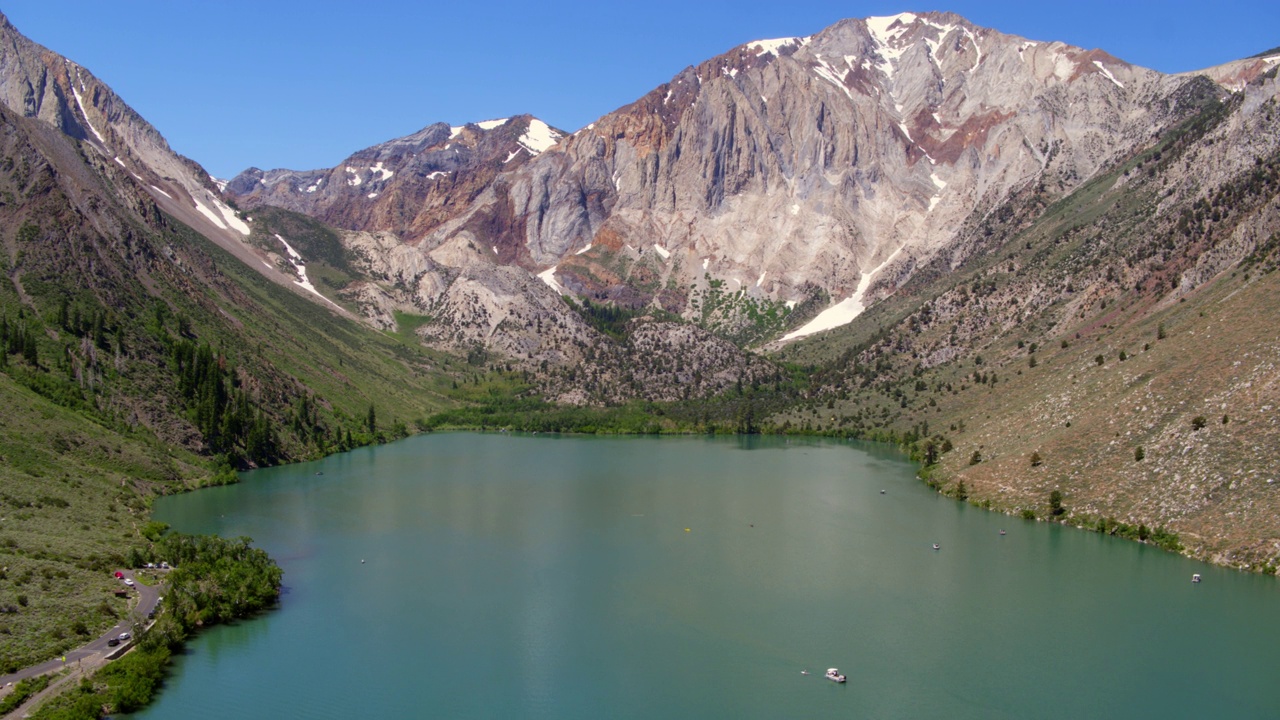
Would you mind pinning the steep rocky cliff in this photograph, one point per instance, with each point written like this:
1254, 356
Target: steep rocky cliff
36, 82
809, 174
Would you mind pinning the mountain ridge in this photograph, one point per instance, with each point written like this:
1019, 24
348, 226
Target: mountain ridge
607, 194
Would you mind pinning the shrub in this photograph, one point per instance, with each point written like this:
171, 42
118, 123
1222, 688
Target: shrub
1139, 454
24, 690
1036, 460
975, 458
1198, 422
1055, 503
1028, 514
154, 529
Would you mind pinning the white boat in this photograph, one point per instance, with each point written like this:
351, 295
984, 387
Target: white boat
834, 675
1195, 578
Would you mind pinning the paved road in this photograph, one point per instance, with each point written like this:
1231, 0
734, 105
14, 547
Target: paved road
148, 597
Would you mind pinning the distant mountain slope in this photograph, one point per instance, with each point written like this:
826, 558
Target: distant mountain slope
38, 83
762, 187
790, 166
1117, 345
407, 186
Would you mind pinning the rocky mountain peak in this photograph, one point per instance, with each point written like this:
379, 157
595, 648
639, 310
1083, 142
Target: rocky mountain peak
828, 166
408, 185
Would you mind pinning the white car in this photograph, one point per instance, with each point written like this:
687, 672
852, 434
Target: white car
124, 636
128, 581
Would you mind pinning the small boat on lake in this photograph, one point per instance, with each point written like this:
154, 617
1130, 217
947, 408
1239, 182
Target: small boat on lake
833, 674
1195, 578
1001, 532
936, 546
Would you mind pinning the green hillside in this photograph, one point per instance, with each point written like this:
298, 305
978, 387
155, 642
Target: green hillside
136, 359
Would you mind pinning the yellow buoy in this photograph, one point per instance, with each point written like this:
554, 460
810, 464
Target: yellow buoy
686, 529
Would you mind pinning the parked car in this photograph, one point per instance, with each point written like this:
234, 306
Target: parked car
119, 575
128, 581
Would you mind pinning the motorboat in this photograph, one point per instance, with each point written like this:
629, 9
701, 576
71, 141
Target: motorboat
1195, 578
833, 674
936, 546
1001, 532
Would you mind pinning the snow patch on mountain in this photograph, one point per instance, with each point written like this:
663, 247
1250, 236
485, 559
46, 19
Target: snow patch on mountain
827, 72
886, 32
1108, 74
548, 276
539, 137
225, 218
85, 115
845, 311
300, 267
491, 124
772, 47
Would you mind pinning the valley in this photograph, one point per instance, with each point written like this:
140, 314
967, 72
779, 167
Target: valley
1045, 274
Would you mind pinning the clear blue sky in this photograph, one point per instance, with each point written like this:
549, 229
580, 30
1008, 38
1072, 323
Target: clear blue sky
282, 83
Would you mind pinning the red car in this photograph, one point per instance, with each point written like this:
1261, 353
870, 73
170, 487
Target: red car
119, 574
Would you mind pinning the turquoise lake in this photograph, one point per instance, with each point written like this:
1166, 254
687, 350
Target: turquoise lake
511, 576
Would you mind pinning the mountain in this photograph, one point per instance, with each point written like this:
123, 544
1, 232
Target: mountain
1045, 272
1114, 345
38, 83
407, 186
781, 179
794, 167
139, 357
975, 244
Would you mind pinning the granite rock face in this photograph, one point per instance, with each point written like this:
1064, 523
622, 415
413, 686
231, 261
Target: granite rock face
788, 164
